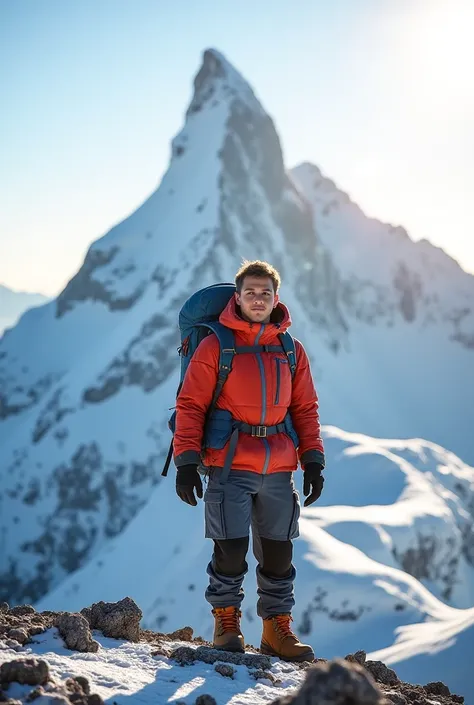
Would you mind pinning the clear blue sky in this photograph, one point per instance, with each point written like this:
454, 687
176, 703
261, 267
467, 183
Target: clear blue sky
378, 93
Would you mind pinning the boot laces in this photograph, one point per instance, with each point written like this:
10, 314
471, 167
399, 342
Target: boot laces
282, 624
229, 620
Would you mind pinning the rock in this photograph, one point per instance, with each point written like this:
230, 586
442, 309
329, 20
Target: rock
35, 693
382, 673
259, 674
186, 655
412, 695
396, 698
117, 620
358, 657
84, 683
437, 688
337, 681
4, 607
53, 699
94, 699
205, 700
75, 631
184, 634
20, 635
22, 610
32, 631
78, 690
20, 623
30, 671
13, 644
73, 691
225, 670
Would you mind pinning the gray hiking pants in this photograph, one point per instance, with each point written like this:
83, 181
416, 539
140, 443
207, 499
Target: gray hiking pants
270, 505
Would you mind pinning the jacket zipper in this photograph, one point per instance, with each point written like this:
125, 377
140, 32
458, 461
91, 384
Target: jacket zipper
264, 401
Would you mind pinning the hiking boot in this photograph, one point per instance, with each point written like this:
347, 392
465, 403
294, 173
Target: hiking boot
227, 634
279, 640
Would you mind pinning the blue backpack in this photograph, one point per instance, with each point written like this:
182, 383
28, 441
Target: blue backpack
198, 318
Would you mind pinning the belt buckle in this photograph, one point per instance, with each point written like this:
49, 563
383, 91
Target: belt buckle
261, 431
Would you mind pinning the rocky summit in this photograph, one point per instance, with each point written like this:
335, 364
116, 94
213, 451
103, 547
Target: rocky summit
24, 662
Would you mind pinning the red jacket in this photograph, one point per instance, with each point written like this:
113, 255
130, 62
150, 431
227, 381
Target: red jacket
258, 391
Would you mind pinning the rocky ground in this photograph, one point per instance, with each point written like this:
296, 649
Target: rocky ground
350, 681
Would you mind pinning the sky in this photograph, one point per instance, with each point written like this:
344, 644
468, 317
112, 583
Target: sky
377, 93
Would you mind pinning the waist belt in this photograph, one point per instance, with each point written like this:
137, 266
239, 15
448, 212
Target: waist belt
260, 431
255, 431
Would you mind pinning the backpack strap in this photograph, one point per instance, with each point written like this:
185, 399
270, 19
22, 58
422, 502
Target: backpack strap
168, 460
288, 345
227, 352
226, 355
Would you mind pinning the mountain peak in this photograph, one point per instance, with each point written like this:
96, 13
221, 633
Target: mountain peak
217, 78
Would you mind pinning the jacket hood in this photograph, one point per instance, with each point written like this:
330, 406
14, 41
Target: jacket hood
280, 321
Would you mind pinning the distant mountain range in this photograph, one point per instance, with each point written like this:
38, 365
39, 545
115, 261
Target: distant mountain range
14, 303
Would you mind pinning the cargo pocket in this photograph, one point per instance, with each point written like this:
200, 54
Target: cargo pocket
214, 514
294, 531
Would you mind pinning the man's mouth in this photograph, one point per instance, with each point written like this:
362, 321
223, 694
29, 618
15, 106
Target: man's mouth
258, 308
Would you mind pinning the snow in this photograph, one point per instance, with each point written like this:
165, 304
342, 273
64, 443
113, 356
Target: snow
122, 669
442, 646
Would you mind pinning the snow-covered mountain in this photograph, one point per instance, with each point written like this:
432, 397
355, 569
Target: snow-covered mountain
87, 380
14, 303
407, 359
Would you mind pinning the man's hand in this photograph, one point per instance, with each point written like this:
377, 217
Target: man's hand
313, 481
188, 480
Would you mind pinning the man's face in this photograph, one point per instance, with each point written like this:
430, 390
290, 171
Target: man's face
257, 299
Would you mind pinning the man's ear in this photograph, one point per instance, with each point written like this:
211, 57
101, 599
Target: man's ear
237, 297
276, 301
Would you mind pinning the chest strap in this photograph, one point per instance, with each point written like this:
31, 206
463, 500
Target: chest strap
258, 348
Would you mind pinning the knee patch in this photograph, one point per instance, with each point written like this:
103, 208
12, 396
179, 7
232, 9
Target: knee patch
277, 557
229, 556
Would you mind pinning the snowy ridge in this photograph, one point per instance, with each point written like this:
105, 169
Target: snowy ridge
382, 269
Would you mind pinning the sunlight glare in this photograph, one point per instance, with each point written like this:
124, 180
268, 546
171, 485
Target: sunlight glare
435, 48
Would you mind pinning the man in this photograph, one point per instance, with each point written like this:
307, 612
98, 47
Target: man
259, 490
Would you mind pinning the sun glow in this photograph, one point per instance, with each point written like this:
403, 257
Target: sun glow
436, 46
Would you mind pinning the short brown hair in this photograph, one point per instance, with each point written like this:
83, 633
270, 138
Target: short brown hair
257, 268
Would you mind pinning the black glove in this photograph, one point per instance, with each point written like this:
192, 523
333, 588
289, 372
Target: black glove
188, 480
313, 481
